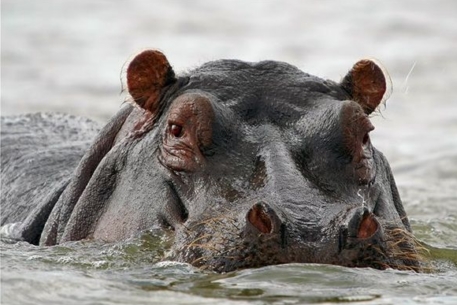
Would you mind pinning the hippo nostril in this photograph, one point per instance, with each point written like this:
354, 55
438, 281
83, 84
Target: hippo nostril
259, 218
263, 218
368, 226
363, 227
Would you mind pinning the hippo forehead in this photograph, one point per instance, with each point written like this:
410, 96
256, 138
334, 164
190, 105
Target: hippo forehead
267, 91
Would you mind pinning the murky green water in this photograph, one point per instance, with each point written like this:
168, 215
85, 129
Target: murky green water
67, 56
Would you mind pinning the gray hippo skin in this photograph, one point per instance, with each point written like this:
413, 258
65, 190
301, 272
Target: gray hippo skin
248, 164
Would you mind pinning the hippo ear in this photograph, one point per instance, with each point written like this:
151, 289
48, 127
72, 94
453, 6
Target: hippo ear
147, 74
368, 84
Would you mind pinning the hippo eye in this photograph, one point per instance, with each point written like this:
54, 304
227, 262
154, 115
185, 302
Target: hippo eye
176, 130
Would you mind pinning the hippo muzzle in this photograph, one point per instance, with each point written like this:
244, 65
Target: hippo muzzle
262, 238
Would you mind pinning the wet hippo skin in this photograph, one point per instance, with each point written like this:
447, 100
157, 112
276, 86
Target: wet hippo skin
247, 164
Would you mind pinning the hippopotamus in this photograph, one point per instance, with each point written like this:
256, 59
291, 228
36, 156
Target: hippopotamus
244, 164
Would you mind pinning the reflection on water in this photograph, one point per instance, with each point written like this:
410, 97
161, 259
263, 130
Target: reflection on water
67, 56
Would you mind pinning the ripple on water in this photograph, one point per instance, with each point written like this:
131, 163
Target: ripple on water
89, 272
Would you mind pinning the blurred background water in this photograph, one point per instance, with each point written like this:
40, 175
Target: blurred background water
68, 56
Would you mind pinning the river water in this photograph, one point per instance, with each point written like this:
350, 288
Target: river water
68, 57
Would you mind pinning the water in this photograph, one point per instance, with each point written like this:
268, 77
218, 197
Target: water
67, 56
125, 273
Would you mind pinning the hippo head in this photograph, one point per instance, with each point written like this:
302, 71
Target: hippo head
249, 164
